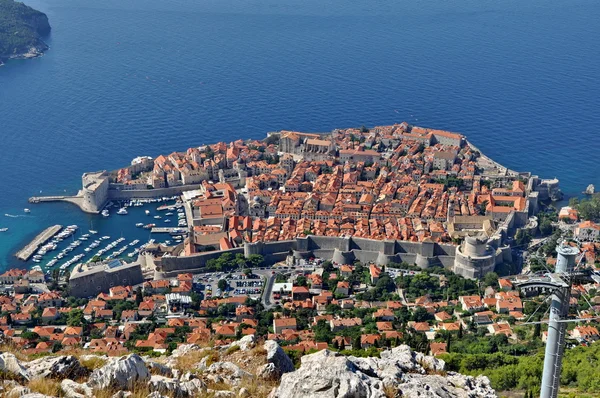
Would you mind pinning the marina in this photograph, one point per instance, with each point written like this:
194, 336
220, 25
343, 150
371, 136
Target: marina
26, 253
60, 249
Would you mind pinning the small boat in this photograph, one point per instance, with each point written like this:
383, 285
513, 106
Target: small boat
105, 213
147, 212
122, 211
149, 226
139, 225
3, 229
157, 217
27, 210
167, 220
93, 232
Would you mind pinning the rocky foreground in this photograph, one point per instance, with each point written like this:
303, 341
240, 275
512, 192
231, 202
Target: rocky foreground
242, 369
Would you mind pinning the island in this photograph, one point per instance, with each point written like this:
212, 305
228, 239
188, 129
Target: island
22, 30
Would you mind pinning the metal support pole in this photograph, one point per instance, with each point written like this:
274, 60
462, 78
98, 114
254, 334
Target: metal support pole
559, 308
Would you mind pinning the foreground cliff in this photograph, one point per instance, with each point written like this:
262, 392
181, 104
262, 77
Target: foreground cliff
242, 369
21, 31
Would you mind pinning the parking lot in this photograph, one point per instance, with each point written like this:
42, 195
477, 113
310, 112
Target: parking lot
238, 284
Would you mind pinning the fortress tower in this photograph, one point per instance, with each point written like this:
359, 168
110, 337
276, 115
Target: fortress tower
474, 258
94, 191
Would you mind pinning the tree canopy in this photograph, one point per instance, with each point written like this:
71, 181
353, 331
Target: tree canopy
21, 27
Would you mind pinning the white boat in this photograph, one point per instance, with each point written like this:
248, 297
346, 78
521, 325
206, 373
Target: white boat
167, 220
122, 211
3, 229
147, 212
105, 213
93, 232
139, 225
157, 217
27, 210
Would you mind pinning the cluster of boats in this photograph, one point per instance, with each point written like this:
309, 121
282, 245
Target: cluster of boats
134, 203
52, 245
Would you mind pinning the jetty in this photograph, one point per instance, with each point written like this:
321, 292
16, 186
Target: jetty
169, 230
47, 234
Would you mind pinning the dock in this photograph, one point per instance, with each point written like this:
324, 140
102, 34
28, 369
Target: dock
169, 230
47, 234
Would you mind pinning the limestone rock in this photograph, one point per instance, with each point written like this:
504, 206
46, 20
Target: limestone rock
268, 372
243, 393
221, 394
277, 357
156, 394
18, 391
164, 385
246, 343
156, 368
226, 372
73, 389
121, 372
193, 388
10, 364
328, 374
122, 394
61, 367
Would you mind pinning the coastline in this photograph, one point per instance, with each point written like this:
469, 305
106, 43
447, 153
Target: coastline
34, 52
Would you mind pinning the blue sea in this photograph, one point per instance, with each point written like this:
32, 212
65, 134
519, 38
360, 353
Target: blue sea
125, 78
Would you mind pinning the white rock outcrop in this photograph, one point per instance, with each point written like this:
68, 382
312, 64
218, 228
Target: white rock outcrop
60, 367
278, 362
327, 374
122, 373
72, 389
10, 364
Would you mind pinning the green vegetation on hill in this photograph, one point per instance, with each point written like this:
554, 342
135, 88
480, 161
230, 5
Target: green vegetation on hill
21, 28
580, 371
589, 209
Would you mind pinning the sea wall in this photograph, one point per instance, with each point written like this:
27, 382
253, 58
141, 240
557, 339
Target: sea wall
340, 250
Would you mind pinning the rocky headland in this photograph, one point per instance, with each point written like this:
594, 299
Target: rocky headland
245, 368
22, 30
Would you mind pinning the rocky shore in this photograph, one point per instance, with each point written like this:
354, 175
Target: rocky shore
244, 368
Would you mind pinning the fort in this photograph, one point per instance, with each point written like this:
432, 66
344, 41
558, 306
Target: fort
473, 260
90, 279
389, 194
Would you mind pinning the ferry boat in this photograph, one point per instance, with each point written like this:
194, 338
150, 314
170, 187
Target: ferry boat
105, 213
122, 211
139, 225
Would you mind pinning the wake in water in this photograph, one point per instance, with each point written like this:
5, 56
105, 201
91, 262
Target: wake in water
16, 215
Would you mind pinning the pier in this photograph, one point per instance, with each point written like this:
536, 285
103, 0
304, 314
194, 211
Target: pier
169, 230
76, 200
26, 252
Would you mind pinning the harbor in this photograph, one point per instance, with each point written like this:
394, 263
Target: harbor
47, 234
89, 238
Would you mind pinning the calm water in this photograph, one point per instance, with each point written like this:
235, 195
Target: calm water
128, 78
